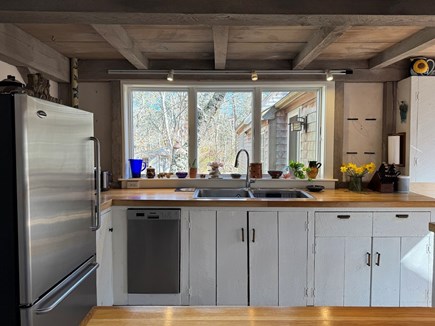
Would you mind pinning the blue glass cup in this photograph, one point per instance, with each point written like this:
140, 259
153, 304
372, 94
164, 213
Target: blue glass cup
137, 166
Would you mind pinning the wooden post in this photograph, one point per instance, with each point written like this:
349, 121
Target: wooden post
74, 82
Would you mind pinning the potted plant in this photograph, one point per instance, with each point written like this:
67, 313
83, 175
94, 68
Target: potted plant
193, 169
298, 169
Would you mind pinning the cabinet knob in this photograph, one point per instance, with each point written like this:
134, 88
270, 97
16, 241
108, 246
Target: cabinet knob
253, 235
243, 234
110, 229
343, 216
369, 258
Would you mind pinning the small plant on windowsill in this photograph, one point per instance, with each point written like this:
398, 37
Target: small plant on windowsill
298, 169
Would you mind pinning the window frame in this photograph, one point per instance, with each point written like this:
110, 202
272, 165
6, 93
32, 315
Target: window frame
326, 98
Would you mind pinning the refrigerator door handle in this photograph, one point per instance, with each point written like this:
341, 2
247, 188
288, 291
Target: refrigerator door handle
97, 210
54, 298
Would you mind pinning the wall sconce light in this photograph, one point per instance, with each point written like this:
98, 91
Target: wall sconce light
299, 125
170, 76
254, 76
329, 76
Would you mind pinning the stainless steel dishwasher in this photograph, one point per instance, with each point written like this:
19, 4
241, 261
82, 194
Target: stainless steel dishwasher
153, 250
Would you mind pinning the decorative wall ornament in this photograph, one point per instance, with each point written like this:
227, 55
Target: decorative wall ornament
403, 108
422, 66
38, 86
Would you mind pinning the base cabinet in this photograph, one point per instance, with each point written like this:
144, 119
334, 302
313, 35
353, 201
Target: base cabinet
252, 258
366, 270
104, 258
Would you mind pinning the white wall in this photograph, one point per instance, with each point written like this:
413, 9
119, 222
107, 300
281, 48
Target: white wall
363, 101
96, 98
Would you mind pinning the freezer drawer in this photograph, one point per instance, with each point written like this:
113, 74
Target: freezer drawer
153, 250
68, 303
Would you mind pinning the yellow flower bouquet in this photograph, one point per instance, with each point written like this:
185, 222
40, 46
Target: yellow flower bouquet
356, 173
353, 170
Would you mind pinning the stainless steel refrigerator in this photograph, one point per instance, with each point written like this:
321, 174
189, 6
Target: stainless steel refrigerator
50, 211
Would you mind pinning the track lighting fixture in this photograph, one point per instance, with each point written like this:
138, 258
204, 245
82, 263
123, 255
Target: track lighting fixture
170, 76
253, 73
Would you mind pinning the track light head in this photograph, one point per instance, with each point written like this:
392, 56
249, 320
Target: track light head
170, 76
254, 75
329, 76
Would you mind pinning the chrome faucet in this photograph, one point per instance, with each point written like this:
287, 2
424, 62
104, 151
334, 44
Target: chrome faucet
236, 164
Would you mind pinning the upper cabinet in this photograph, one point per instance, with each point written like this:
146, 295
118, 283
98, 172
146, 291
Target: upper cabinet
418, 93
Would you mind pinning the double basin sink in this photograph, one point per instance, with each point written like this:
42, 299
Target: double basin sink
239, 193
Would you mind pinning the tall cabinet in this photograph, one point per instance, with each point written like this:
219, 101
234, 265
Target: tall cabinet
418, 93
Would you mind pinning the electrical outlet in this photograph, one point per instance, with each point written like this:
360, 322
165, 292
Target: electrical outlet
132, 184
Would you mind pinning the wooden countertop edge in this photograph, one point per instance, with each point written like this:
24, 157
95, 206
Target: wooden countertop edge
332, 198
432, 227
262, 203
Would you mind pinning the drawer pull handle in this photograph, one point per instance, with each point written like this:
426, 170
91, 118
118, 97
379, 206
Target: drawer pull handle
253, 235
369, 258
343, 216
243, 235
402, 215
378, 258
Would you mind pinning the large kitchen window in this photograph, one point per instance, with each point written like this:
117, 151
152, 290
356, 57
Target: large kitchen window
175, 127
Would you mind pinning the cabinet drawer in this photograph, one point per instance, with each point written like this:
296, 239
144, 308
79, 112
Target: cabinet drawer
344, 224
401, 223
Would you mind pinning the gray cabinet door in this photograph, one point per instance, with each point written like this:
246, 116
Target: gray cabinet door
342, 276
263, 258
202, 262
386, 272
232, 258
293, 253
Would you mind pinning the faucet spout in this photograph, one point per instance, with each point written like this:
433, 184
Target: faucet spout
236, 164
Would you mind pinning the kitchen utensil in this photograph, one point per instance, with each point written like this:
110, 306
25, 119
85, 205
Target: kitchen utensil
315, 188
105, 180
314, 164
275, 174
137, 166
235, 175
11, 86
181, 175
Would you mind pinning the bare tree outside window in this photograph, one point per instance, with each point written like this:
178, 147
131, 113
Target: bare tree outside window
220, 114
160, 129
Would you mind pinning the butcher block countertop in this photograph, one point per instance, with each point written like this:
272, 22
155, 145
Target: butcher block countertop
259, 316
168, 197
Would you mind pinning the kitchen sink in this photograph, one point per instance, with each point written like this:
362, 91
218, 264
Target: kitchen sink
237, 193
280, 193
224, 193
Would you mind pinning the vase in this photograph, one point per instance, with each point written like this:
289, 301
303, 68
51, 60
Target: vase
355, 183
312, 174
193, 172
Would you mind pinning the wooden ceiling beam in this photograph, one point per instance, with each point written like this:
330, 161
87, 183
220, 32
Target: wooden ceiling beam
192, 19
318, 42
404, 49
21, 49
374, 7
220, 40
117, 36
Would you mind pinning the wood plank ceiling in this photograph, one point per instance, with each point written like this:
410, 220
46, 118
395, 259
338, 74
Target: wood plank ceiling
371, 38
